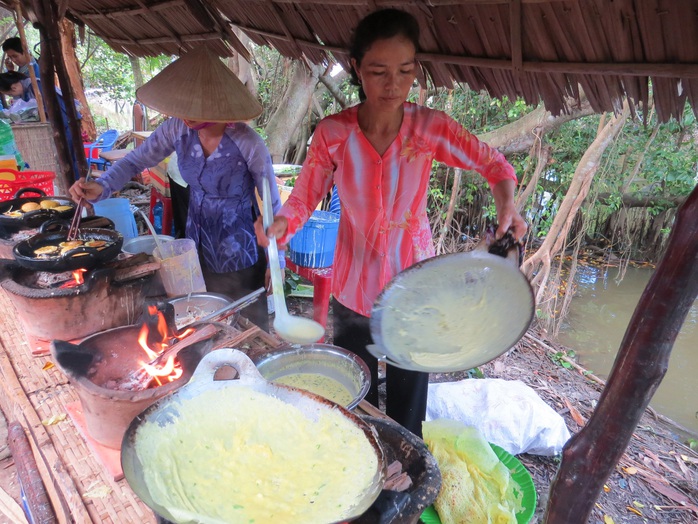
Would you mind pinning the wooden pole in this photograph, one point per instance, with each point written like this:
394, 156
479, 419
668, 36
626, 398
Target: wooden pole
38, 500
23, 39
47, 15
591, 455
53, 109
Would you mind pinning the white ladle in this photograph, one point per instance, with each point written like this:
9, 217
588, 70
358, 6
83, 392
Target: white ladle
294, 329
158, 245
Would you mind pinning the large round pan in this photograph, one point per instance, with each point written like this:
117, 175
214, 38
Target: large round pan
453, 312
80, 257
32, 219
165, 413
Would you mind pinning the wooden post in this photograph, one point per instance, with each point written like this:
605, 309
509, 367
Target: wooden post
47, 15
592, 454
38, 500
53, 109
23, 39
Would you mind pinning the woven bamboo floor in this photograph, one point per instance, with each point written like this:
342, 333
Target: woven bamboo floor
32, 391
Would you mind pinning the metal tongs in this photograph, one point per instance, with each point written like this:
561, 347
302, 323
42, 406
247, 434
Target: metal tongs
77, 217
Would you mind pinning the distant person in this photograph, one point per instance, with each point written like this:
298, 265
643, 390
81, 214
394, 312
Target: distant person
17, 85
20, 87
16, 55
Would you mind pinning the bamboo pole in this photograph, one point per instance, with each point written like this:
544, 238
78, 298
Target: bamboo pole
23, 38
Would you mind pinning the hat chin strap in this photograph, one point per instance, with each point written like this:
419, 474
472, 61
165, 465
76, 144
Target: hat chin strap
202, 125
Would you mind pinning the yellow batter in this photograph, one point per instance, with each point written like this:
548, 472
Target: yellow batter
320, 385
450, 320
245, 457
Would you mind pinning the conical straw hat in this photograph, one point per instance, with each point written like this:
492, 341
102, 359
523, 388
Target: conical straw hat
198, 86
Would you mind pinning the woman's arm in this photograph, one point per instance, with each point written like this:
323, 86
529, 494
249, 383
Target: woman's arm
313, 183
456, 146
154, 150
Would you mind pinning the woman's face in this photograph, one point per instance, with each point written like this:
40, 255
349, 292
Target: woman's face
387, 72
16, 90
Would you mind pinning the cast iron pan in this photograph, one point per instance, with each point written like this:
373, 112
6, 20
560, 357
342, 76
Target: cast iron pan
93, 222
32, 219
80, 257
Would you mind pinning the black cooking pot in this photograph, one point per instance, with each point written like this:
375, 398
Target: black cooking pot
80, 257
32, 219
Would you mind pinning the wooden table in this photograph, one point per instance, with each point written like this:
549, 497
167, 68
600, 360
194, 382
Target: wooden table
141, 134
114, 155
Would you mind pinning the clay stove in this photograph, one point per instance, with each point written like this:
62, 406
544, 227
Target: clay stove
100, 368
70, 306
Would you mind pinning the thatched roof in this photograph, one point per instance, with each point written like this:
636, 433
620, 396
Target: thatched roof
536, 49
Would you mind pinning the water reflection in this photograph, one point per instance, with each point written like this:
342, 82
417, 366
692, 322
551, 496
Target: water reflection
599, 316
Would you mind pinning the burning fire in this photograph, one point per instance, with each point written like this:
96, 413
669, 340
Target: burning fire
170, 370
78, 279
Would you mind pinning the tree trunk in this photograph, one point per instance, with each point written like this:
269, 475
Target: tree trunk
137, 72
70, 59
591, 455
289, 114
539, 262
520, 136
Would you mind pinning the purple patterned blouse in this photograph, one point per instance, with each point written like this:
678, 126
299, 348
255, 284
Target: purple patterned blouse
222, 200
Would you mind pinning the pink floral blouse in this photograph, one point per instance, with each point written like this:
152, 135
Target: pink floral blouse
384, 226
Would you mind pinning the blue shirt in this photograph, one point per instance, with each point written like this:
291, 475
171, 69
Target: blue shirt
222, 203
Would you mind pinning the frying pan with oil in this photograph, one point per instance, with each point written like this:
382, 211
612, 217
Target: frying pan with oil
453, 312
32, 219
167, 410
80, 257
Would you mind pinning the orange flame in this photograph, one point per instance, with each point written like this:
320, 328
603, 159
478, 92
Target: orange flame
78, 279
169, 371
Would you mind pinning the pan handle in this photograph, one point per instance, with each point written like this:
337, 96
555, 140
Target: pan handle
221, 358
506, 247
36, 190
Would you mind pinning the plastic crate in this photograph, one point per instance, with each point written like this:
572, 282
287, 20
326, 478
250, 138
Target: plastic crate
12, 181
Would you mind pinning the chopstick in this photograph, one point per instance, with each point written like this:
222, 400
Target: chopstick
77, 217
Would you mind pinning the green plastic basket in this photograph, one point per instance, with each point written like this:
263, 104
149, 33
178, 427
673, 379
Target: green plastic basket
520, 475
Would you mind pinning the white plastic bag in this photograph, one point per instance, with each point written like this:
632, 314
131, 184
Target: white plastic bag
20, 105
507, 412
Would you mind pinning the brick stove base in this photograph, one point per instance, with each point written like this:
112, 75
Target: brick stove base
107, 457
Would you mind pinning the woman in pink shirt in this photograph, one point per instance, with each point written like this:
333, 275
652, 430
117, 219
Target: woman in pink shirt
379, 154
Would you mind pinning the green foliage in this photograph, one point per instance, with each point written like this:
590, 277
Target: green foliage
559, 358
106, 69
291, 282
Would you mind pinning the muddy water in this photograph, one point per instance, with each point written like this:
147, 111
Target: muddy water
599, 316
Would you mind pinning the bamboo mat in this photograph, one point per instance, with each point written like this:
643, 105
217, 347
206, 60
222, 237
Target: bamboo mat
32, 391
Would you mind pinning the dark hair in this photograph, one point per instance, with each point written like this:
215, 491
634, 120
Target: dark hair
7, 80
14, 44
380, 25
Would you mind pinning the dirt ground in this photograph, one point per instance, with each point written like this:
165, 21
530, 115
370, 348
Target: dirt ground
656, 480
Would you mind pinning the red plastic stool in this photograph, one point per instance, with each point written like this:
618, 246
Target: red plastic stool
167, 216
321, 278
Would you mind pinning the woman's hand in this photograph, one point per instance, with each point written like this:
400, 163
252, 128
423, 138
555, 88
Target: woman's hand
277, 229
87, 190
507, 215
509, 219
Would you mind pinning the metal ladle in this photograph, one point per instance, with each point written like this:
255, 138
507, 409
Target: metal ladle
294, 329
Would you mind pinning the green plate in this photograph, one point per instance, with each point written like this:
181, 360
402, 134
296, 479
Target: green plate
522, 478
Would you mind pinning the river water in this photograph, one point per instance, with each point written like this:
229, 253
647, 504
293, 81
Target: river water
599, 315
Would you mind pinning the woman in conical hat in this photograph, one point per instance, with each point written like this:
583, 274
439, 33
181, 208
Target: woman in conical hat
222, 160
